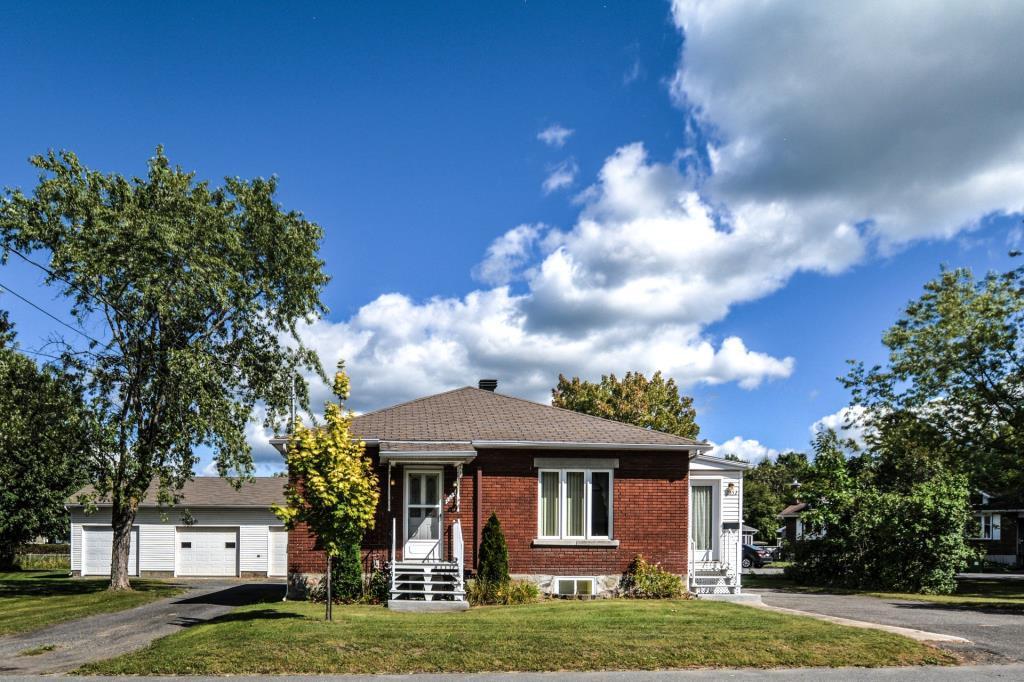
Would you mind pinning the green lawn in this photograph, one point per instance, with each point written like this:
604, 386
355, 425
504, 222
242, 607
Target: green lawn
553, 635
34, 599
1003, 595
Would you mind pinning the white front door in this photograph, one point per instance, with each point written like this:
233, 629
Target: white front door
702, 522
207, 551
422, 514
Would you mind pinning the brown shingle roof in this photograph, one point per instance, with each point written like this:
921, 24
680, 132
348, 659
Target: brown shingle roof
214, 491
793, 509
424, 446
471, 414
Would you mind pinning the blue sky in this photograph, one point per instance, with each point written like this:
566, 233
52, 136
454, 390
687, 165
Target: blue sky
746, 199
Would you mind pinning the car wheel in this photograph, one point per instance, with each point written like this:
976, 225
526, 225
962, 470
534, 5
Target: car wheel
746, 563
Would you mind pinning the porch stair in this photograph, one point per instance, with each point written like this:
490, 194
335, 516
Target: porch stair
427, 581
713, 577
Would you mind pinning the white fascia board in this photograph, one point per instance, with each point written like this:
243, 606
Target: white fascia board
722, 463
425, 457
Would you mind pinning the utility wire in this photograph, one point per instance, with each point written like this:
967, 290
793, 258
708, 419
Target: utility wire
46, 312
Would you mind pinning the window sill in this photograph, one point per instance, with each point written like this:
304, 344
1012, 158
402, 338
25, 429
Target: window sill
559, 542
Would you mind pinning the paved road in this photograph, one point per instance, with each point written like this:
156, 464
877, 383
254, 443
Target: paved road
951, 674
111, 634
996, 636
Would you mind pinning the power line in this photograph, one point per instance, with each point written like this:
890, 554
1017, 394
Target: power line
49, 314
53, 274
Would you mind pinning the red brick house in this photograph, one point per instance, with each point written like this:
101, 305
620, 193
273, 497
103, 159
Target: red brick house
578, 497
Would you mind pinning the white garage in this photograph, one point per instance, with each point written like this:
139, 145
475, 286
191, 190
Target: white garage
97, 547
207, 551
213, 530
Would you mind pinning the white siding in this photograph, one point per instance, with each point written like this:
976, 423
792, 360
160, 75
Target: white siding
157, 540
156, 544
731, 503
253, 549
76, 544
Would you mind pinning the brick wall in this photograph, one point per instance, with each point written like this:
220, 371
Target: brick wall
650, 500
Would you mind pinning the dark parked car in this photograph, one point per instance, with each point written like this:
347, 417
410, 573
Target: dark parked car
756, 556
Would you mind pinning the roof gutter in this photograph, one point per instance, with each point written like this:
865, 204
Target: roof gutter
280, 443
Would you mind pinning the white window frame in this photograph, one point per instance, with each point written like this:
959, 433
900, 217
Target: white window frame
993, 523
563, 521
575, 580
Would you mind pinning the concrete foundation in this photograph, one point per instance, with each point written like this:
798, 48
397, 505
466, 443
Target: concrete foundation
415, 606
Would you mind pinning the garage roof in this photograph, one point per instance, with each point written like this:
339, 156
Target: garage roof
212, 491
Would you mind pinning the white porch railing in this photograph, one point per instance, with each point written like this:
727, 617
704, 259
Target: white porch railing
719, 575
458, 552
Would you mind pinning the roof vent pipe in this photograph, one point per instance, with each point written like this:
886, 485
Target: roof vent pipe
488, 384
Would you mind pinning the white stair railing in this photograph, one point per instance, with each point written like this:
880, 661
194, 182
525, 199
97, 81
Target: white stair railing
458, 552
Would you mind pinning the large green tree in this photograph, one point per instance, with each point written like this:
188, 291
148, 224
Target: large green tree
653, 403
865, 528
768, 488
952, 392
198, 290
43, 446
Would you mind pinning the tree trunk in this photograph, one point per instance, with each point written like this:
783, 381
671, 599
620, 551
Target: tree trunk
122, 519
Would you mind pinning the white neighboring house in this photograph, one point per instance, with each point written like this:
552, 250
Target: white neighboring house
716, 522
214, 530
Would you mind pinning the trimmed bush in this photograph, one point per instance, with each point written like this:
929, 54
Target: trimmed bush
346, 579
644, 580
480, 592
493, 554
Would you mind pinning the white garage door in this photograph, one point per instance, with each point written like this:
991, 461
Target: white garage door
207, 551
97, 544
278, 551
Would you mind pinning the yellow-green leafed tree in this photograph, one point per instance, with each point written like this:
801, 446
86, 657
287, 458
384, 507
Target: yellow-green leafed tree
332, 486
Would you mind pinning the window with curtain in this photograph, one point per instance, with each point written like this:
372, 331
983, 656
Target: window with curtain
701, 516
575, 504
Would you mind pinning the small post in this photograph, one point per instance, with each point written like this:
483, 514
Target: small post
329, 601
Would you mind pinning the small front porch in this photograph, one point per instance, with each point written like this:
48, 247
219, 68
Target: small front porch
426, 563
715, 550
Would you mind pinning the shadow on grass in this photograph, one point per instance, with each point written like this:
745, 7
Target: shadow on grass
56, 584
238, 617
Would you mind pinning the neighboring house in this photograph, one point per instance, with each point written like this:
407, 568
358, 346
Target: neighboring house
214, 530
999, 532
578, 497
792, 525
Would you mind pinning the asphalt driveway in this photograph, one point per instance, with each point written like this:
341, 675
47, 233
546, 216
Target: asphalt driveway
996, 636
106, 635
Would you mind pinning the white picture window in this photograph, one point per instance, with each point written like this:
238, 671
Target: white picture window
988, 526
575, 504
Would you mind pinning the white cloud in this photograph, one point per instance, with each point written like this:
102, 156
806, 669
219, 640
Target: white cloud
906, 117
846, 422
507, 254
560, 176
634, 73
555, 135
630, 287
747, 449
